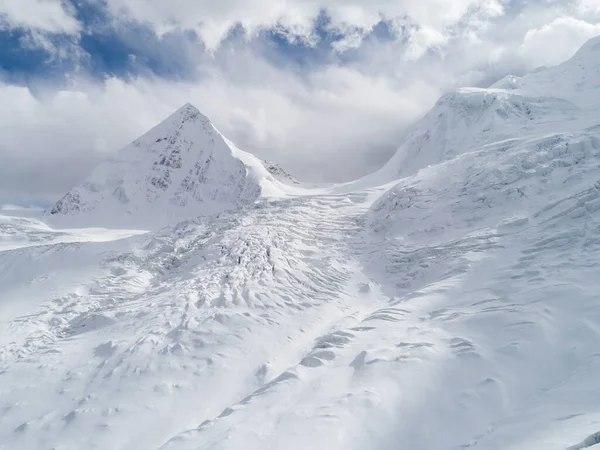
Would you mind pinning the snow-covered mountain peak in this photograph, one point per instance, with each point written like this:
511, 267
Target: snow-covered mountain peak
564, 98
187, 116
181, 168
577, 79
188, 113
188, 107
462, 120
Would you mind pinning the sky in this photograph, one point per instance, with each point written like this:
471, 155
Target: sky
326, 88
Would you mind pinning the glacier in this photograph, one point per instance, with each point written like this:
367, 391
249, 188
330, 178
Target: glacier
188, 295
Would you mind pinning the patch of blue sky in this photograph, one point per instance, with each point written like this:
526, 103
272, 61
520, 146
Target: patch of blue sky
125, 48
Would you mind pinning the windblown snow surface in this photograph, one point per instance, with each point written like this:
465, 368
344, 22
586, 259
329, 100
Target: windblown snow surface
449, 301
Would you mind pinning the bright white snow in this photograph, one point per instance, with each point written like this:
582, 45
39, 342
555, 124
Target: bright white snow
449, 301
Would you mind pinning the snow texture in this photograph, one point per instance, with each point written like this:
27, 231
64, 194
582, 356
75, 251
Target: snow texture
448, 301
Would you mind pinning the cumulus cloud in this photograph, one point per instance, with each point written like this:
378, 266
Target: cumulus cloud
589, 7
566, 34
50, 141
213, 20
51, 16
333, 116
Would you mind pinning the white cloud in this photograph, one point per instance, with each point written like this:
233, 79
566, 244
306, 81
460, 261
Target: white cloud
213, 19
48, 141
44, 15
556, 41
590, 7
19, 208
51, 141
332, 122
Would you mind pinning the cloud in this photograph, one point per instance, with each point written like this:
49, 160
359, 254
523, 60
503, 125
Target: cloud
51, 141
567, 35
38, 35
50, 16
328, 94
588, 7
19, 208
213, 20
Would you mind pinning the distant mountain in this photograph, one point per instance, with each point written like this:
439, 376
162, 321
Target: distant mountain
180, 169
565, 98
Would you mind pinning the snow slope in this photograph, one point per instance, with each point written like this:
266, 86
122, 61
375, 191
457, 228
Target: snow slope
562, 98
180, 169
498, 251
18, 232
456, 307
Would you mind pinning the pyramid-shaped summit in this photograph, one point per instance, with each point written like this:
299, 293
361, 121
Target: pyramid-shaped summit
180, 169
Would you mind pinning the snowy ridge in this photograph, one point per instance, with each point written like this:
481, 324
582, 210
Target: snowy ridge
566, 96
280, 174
574, 79
180, 169
498, 248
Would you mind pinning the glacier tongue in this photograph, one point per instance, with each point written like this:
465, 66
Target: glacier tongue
180, 169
